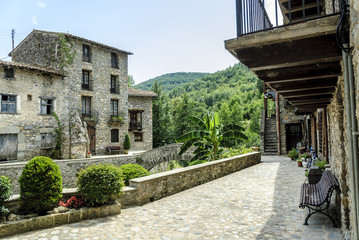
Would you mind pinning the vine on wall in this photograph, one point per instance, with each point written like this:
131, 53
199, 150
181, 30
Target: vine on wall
56, 153
64, 51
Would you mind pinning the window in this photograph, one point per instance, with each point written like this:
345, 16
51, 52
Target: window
114, 85
86, 55
138, 137
114, 135
46, 140
114, 60
8, 73
86, 106
114, 108
46, 106
8, 104
86, 80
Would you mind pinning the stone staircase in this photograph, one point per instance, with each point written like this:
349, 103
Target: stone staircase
270, 137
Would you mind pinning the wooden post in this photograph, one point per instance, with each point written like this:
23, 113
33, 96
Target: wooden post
314, 134
325, 135
265, 102
278, 123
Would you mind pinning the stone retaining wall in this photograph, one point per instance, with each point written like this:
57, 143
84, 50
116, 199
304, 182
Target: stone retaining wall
69, 168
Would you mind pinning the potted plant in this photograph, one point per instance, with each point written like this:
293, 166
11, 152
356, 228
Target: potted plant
299, 162
293, 154
126, 144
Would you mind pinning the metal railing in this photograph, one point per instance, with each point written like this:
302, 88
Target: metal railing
256, 15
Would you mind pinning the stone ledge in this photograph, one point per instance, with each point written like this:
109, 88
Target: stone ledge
72, 216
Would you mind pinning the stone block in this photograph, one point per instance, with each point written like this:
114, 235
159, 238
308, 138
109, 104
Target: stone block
61, 218
74, 216
12, 228
89, 213
44, 222
21, 147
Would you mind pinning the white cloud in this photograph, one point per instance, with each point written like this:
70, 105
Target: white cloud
41, 4
34, 20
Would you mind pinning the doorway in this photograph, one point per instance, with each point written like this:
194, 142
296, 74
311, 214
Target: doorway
8, 147
92, 136
293, 135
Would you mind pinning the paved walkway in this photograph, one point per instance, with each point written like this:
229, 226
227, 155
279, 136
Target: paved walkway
260, 202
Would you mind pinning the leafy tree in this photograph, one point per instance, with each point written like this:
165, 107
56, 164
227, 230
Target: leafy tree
208, 137
130, 81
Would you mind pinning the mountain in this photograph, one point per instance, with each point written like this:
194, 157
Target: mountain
171, 80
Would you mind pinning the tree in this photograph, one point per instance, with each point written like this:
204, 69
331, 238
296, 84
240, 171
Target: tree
130, 81
208, 137
182, 109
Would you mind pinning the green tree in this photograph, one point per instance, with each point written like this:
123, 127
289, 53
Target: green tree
207, 139
130, 81
182, 109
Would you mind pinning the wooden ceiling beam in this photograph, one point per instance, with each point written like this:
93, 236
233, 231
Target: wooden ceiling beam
308, 93
304, 85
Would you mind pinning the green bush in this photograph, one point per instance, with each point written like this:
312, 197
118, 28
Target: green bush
230, 152
98, 183
321, 164
5, 193
41, 184
293, 154
127, 143
197, 162
131, 171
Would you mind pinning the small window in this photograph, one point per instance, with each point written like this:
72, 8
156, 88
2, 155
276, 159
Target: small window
86, 80
86, 55
8, 104
46, 140
114, 135
114, 108
86, 106
114, 60
8, 73
47, 106
114, 85
138, 137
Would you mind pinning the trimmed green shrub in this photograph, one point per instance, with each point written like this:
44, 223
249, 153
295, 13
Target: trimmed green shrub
5, 193
131, 171
321, 164
293, 154
99, 183
41, 184
197, 162
127, 143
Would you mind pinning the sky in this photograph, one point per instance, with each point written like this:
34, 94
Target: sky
165, 35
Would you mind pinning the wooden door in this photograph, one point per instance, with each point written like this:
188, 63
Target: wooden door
92, 136
8, 147
293, 135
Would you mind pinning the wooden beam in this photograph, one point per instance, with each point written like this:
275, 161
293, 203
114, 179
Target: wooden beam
310, 101
310, 98
308, 93
301, 73
304, 88
301, 51
304, 85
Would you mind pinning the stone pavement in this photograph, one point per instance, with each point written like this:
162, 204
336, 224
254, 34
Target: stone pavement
260, 202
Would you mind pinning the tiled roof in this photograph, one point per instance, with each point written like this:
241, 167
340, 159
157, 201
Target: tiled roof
140, 93
31, 67
87, 40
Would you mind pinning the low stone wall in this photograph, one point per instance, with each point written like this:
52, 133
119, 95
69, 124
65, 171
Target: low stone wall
146, 189
70, 167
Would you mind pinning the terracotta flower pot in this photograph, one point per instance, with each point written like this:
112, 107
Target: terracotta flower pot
299, 164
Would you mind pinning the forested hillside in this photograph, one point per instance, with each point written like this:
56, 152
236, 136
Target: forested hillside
171, 80
236, 93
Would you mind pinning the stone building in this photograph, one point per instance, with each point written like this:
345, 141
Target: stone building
94, 90
140, 118
28, 96
310, 65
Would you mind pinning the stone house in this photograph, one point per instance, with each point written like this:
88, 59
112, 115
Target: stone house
28, 96
309, 64
94, 88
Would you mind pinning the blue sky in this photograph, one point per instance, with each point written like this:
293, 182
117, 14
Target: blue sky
164, 35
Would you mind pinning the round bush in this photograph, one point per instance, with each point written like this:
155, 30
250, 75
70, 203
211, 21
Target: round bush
131, 171
5, 186
41, 184
98, 183
197, 162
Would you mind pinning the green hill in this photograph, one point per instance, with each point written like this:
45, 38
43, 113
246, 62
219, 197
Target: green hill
171, 80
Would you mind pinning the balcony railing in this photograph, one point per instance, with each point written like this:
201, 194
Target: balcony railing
258, 15
135, 126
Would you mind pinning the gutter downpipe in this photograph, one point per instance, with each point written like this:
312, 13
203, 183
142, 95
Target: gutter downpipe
352, 140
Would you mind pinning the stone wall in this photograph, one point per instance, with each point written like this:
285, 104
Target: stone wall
156, 186
69, 168
28, 123
145, 104
287, 116
338, 157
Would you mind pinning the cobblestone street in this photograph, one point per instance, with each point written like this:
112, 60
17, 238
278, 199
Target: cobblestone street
260, 202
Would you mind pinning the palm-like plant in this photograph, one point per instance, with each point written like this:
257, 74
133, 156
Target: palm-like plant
209, 136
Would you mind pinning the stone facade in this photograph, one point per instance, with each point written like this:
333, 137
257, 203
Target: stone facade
31, 124
94, 88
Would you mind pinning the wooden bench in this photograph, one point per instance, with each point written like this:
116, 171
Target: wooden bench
114, 149
316, 197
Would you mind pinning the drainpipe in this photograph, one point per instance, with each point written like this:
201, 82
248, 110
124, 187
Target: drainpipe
352, 139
